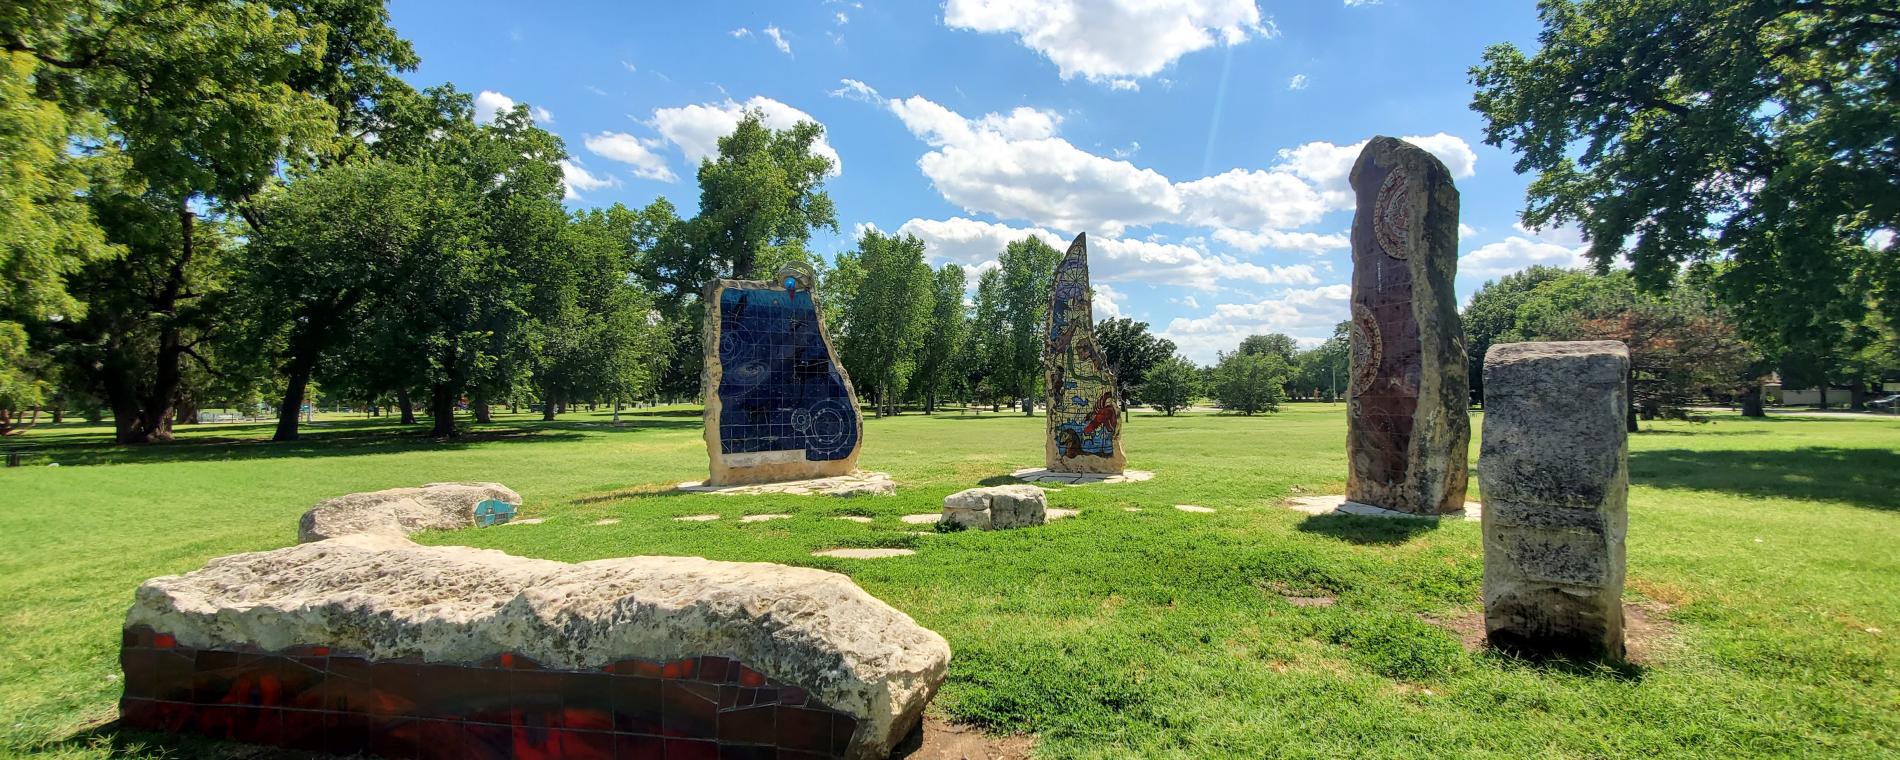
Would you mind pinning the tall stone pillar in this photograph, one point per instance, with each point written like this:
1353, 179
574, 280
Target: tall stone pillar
1408, 429
1085, 424
779, 405
1554, 468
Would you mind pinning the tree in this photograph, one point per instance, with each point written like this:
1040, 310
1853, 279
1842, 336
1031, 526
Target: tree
1016, 365
762, 196
1131, 352
888, 315
1250, 383
938, 365
1322, 371
1491, 315
1273, 344
600, 333
987, 345
1755, 137
1171, 385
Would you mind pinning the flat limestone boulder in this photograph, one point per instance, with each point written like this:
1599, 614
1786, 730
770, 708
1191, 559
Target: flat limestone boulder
402, 511
739, 656
997, 507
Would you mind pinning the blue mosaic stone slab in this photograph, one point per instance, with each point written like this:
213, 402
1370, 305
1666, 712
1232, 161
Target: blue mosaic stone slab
493, 512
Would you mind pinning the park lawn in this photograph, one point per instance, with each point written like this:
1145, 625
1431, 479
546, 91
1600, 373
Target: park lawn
1766, 553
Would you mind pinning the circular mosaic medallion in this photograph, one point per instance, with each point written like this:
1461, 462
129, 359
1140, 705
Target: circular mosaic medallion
1391, 223
1368, 347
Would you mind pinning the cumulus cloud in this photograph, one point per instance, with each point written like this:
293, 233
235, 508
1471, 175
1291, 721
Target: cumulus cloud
855, 90
576, 178
1307, 314
1329, 166
977, 243
1015, 166
489, 104
1309, 242
1114, 42
1107, 301
1560, 247
696, 129
1298, 82
627, 149
543, 115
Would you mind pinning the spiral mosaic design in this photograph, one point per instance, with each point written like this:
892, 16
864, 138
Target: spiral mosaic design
1391, 223
1368, 348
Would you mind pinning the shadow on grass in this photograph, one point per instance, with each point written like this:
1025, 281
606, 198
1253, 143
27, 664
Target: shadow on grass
334, 439
1360, 529
1862, 477
110, 740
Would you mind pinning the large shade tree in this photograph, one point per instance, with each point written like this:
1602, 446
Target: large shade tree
1755, 136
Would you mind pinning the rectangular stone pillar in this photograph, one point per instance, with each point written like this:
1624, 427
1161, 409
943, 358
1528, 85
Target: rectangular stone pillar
1408, 428
1554, 469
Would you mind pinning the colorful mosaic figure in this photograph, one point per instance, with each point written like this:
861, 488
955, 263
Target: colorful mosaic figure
1407, 425
1085, 433
493, 512
779, 406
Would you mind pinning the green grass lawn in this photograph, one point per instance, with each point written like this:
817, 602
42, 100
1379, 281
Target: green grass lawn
1768, 552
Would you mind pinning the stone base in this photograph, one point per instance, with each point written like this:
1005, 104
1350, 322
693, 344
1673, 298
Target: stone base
1046, 475
1340, 505
860, 483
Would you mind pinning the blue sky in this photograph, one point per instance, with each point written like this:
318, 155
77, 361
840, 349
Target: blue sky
1202, 144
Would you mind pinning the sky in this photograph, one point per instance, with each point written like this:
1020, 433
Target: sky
1203, 145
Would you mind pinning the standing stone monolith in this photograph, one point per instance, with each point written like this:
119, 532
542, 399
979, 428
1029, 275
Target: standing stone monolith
1408, 429
1085, 431
779, 406
1554, 471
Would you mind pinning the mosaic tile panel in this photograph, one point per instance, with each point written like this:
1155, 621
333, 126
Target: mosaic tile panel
317, 699
1084, 412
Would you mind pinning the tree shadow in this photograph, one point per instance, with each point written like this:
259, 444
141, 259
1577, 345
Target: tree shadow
1000, 480
1365, 530
1862, 477
357, 441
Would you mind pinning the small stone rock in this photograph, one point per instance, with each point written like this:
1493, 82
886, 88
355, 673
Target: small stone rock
1131, 509
921, 519
697, 518
1053, 514
529, 521
763, 518
997, 507
401, 511
1192, 508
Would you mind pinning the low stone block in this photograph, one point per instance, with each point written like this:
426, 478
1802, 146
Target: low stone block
401, 511
370, 640
1554, 470
997, 507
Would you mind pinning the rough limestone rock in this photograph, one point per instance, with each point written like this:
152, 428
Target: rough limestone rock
779, 405
1554, 471
1408, 425
387, 598
997, 507
1084, 423
401, 511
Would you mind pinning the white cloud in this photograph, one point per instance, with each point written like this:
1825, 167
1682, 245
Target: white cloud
1107, 301
1133, 148
1310, 242
855, 90
627, 149
977, 243
1329, 166
1561, 247
1466, 231
576, 178
489, 104
628, 65
1307, 314
778, 39
1113, 41
1187, 301
696, 129
841, 18
740, 33
1298, 82
1014, 166
543, 115
1358, 3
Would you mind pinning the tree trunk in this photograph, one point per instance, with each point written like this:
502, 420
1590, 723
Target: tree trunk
408, 407
1629, 389
1029, 407
548, 407
59, 415
1857, 395
1751, 402
1823, 393
442, 408
290, 410
480, 407
186, 413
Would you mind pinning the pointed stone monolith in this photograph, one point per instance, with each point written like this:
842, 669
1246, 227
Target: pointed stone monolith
1085, 426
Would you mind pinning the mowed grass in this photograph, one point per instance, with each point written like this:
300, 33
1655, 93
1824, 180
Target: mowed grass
1769, 552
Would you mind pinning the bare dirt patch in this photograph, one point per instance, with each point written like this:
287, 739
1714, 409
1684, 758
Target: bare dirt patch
1647, 636
942, 740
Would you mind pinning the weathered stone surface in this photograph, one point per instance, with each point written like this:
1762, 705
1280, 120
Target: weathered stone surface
1554, 471
1408, 428
997, 507
387, 598
779, 405
860, 483
401, 511
1085, 429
